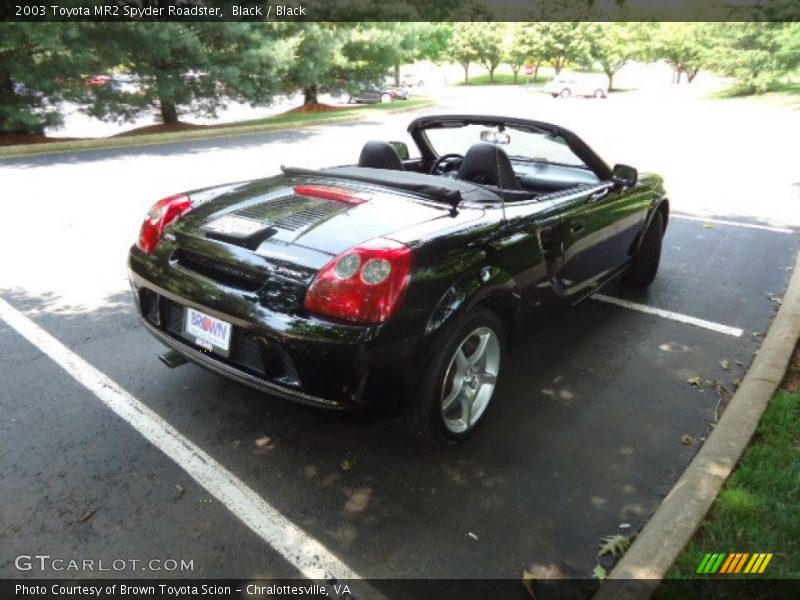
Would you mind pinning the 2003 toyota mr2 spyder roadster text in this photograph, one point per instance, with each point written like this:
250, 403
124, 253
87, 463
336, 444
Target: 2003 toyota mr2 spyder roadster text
395, 285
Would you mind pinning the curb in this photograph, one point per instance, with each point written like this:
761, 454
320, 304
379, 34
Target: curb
155, 139
641, 569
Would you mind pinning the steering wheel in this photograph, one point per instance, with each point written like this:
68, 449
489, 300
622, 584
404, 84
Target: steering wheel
444, 158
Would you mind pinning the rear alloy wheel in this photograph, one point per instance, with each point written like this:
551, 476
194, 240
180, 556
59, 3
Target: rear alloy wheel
345, 98
460, 383
644, 265
599, 94
386, 98
566, 93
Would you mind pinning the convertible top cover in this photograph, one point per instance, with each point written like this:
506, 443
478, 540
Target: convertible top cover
451, 191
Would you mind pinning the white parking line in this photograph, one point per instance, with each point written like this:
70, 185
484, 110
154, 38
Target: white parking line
732, 223
299, 548
674, 316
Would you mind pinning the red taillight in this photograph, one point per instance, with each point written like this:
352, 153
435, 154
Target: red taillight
162, 214
330, 192
365, 284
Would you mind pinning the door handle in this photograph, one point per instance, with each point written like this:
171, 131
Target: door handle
577, 227
597, 196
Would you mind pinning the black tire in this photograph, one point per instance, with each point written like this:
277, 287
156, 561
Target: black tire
424, 418
565, 93
599, 94
644, 265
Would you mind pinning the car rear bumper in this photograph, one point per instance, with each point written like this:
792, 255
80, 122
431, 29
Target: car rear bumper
301, 358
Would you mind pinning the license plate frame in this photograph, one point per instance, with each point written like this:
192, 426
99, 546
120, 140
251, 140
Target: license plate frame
208, 332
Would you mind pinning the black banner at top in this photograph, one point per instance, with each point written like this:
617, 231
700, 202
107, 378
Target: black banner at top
276, 11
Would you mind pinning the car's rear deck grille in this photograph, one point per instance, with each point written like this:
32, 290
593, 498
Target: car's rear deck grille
309, 214
225, 273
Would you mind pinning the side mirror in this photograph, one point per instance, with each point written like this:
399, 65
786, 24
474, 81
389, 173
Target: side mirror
624, 175
402, 150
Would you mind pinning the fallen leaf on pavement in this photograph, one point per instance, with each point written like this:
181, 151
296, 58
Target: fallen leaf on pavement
725, 364
528, 581
86, 516
264, 440
687, 440
708, 226
600, 572
347, 465
614, 545
181, 490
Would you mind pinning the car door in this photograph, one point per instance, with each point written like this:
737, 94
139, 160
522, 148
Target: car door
597, 234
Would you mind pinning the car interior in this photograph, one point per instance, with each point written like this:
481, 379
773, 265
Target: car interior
487, 165
484, 174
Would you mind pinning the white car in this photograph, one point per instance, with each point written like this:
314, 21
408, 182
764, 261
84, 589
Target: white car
577, 84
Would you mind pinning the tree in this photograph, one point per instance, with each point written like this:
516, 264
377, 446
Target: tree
465, 45
564, 42
41, 64
522, 45
416, 41
682, 46
189, 65
756, 55
613, 45
490, 47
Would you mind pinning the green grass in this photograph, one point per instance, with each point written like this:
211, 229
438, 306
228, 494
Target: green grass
758, 509
287, 119
506, 79
788, 88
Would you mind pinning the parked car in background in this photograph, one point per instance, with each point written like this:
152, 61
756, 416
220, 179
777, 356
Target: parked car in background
99, 80
411, 80
371, 94
577, 84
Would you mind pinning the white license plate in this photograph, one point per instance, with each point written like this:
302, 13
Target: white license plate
208, 332
235, 226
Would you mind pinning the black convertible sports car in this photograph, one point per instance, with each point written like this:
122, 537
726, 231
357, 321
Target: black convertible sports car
395, 285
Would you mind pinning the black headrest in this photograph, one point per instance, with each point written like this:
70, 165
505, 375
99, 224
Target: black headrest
487, 163
380, 155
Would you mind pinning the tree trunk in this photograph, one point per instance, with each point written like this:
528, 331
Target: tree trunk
557, 66
466, 71
610, 81
516, 73
169, 112
6, 97
690, 75
310, 95
535, 71
491, 73
397, 74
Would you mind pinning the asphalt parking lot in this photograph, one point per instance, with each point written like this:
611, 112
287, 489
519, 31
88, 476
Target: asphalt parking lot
585, 437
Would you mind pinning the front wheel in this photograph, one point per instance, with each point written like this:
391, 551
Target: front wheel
386, 98
599, 94
460, 382
566, 93
644, 265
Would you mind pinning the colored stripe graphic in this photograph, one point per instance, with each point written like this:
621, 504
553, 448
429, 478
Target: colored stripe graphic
731, 563
715, 566
741, 562
703, 563
765, 563
727, 563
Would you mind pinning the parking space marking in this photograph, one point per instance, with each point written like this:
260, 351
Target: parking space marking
299, 548
674, 316
732, 223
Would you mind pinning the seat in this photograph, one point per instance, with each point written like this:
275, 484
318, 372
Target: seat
380, 155
488, 164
